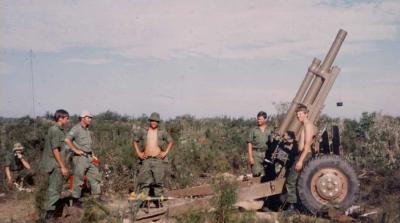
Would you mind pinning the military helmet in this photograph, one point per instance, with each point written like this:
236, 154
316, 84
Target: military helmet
155, 117
18, 146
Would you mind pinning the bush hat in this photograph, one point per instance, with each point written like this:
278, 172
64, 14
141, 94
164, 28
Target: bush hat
86, 114
18, 146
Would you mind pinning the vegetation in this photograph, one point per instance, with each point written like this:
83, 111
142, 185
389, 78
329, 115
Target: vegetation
205, 147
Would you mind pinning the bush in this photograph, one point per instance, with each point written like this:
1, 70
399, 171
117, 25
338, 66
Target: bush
207, 146
224, 199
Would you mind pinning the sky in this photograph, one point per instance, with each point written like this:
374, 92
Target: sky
204, 58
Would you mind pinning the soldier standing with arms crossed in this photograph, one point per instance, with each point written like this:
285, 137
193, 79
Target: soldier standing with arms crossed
79, 141
157, 144
53, 162
305, 144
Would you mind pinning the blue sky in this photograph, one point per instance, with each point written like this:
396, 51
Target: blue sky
205, 58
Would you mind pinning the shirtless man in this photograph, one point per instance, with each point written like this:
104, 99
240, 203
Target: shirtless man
305, 143
156, 144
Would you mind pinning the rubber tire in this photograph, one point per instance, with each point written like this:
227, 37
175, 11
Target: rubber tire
316, 164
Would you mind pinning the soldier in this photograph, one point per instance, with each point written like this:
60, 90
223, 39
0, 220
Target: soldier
257, 145
53, 162
156, 145
16, 167
79, 142
304, 148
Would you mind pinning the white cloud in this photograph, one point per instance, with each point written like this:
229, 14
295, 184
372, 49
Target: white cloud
224, 29
90, 61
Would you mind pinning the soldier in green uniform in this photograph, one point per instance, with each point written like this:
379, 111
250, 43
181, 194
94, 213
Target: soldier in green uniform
304, 148
16, 167
257, 145
80, 142
53, 162
152, 146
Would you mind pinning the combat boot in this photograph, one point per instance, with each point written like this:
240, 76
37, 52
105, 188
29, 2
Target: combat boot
50, 217
291, 210
77, 203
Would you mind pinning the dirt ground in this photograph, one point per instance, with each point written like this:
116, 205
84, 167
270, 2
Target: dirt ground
17, 207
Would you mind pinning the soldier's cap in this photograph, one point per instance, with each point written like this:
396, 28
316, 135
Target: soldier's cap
155, 117
86, 114
18, 146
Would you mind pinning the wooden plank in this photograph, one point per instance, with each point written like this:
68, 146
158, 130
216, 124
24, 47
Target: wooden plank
260, 190
202, 190
153, 215
206, 189
248, 190
184, 206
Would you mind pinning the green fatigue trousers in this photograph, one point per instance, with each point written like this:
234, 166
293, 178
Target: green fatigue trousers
291, 180
257, 169
83, 166
54, 189
19, 176
151, 174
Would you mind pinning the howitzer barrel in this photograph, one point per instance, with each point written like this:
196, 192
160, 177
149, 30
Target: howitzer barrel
333, 51
316, 109
314, 88
299, 96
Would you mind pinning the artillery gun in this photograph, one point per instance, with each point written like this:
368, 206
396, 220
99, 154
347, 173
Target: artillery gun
325, 180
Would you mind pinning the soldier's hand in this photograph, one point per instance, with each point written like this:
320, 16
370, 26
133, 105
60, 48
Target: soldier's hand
251, 160
298, 166
64, 171
79, 152
142, 156
10, 184
162, 155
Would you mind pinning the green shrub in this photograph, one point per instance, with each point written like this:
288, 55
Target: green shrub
225, 197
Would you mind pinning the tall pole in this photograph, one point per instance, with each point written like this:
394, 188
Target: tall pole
33, 92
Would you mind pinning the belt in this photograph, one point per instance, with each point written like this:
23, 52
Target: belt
86, 154
152, 157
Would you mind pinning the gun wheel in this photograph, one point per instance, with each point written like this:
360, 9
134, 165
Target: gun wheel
325, 181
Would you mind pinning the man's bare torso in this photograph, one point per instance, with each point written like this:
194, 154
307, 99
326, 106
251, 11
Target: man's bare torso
151, 147
308, 129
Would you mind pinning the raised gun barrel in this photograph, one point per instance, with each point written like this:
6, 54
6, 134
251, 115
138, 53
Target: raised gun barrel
314, 89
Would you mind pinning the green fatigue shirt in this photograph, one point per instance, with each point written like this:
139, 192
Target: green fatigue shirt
54, 140
258, 139
80, 136
163, 137
13, 162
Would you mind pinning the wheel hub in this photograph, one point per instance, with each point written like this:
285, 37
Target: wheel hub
329, 185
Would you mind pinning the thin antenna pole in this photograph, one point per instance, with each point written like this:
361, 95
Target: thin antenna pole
33, 92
